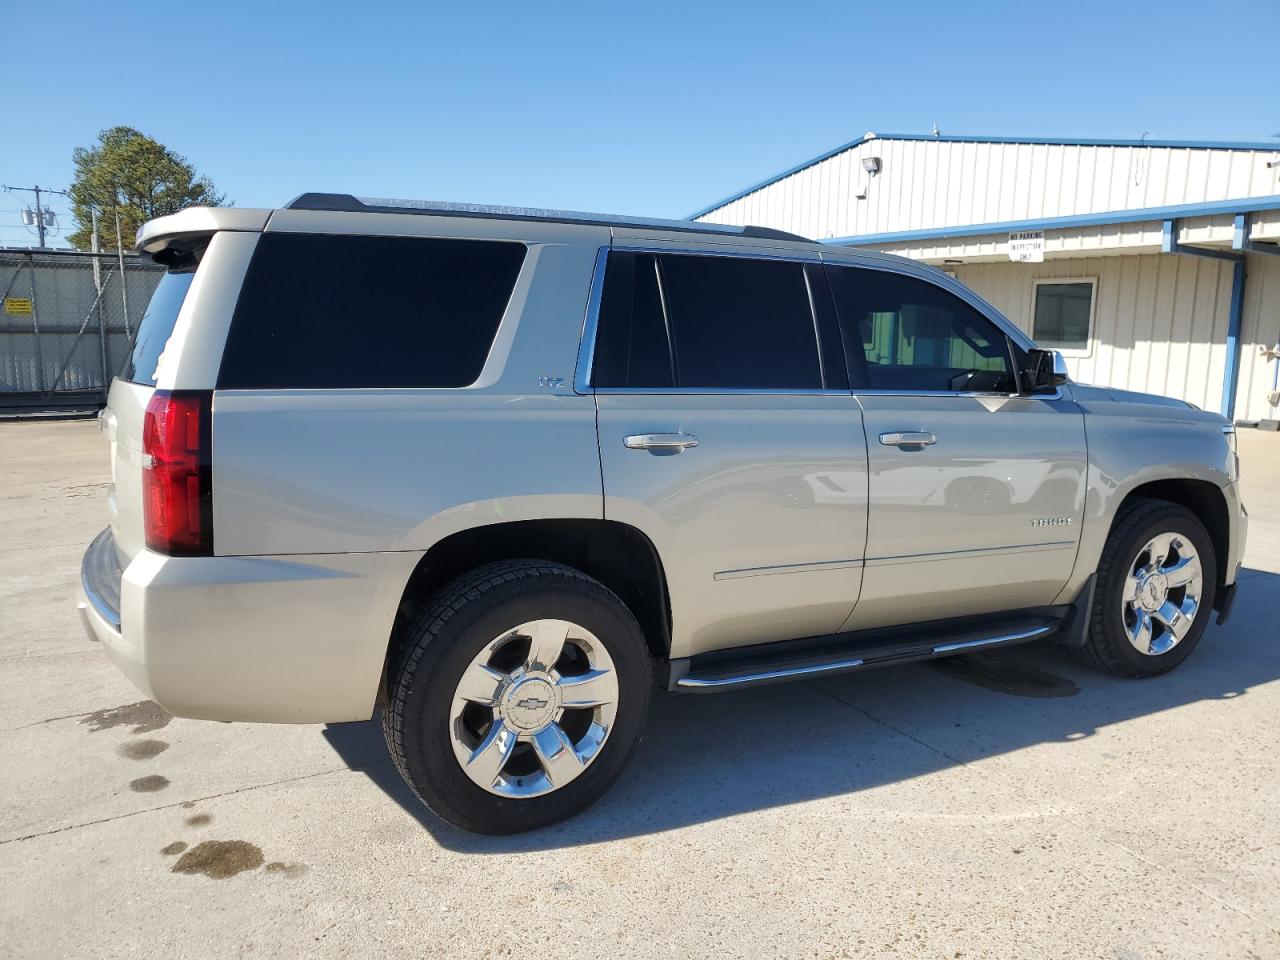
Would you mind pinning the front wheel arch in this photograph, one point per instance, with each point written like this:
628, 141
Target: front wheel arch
1204, 499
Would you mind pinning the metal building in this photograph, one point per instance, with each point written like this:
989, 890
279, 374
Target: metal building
1150, 264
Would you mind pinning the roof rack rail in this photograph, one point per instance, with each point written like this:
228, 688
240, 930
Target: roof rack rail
346, 203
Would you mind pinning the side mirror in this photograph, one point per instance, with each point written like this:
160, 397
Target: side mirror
1046, 371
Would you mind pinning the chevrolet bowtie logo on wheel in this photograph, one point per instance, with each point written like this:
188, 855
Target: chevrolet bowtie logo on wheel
531, 703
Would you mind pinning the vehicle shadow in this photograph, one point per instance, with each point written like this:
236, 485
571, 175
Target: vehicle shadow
708, 757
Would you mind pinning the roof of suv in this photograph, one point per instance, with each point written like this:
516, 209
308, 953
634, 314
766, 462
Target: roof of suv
199, 219
346, 203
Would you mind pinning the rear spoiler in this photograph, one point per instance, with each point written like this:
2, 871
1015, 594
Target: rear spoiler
155, 235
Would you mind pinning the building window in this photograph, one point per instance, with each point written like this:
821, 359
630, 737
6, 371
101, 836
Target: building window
1063, 317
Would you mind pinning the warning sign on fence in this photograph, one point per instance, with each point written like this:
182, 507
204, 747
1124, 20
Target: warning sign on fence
17, 306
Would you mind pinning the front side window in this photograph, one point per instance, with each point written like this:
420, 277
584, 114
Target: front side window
1063, 313
706, 322
904, 333
334, 312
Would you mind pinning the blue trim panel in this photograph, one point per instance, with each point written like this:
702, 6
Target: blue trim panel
1048, 141
1138, 215
1240, 239
1169, 244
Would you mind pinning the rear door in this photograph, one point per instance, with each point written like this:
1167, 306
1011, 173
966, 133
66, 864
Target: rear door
976, 493
729, 436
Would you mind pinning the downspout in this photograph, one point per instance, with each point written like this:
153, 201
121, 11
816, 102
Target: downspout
1231, 376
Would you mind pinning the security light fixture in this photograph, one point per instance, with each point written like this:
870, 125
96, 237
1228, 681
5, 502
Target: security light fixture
871, 165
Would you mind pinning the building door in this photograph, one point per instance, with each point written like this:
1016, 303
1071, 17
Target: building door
976, 494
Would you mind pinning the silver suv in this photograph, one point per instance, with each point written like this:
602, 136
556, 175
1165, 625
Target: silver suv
491, 471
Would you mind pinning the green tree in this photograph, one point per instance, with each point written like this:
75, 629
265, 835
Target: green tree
128, 173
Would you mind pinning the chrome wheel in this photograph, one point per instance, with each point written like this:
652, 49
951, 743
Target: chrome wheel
533, 709
1162, 594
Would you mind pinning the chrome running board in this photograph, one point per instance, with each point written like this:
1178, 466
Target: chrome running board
822, 656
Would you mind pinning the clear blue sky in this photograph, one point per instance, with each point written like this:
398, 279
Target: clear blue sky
645, 107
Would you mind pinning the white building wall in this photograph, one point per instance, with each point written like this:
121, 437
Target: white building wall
938, 183
1259, 329
1160, 322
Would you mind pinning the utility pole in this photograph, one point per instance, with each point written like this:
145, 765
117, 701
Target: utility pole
41, 225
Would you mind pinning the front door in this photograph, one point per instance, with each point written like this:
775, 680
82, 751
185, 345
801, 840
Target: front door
729, 436
976, 493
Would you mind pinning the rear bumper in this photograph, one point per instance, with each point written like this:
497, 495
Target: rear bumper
271, 639
100, 576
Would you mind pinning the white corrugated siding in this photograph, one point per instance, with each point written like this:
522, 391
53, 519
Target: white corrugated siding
1160, 322
1259, 329
934, 183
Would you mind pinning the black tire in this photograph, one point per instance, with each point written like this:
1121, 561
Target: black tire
1108, 647
442, 641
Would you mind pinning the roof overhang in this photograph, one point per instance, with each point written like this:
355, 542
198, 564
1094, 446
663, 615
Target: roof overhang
1244, 225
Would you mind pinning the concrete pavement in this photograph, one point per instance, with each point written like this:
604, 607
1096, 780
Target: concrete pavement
1007, 805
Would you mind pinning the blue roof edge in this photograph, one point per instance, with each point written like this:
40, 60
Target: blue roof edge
1136, 215
960, 138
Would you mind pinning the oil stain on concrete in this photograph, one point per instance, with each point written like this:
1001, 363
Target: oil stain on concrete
219, 859
1005, 676
151, 784
173, 849
145, 716
199, 820
142, 749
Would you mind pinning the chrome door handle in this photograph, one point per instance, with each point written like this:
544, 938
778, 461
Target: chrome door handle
660, 441
908, 438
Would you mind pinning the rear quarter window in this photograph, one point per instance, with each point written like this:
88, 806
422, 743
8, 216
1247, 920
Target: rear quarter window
331, 312
156, 326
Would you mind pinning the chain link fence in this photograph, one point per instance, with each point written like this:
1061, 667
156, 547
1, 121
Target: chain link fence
67, 324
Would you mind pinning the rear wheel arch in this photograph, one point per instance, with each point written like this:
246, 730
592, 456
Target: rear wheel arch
616, 554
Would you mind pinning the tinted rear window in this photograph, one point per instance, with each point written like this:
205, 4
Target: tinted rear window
705, 322
327, 312
740, 323
156, 327
632, 349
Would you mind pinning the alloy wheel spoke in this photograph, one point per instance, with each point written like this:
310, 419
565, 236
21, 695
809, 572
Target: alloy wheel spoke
1173, 618
1160, 547
589, 689
1183, 571
481, 684
1130, 591
489, 758
1140, 632
555, 751
546, 643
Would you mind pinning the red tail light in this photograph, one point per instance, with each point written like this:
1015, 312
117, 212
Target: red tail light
177, 477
